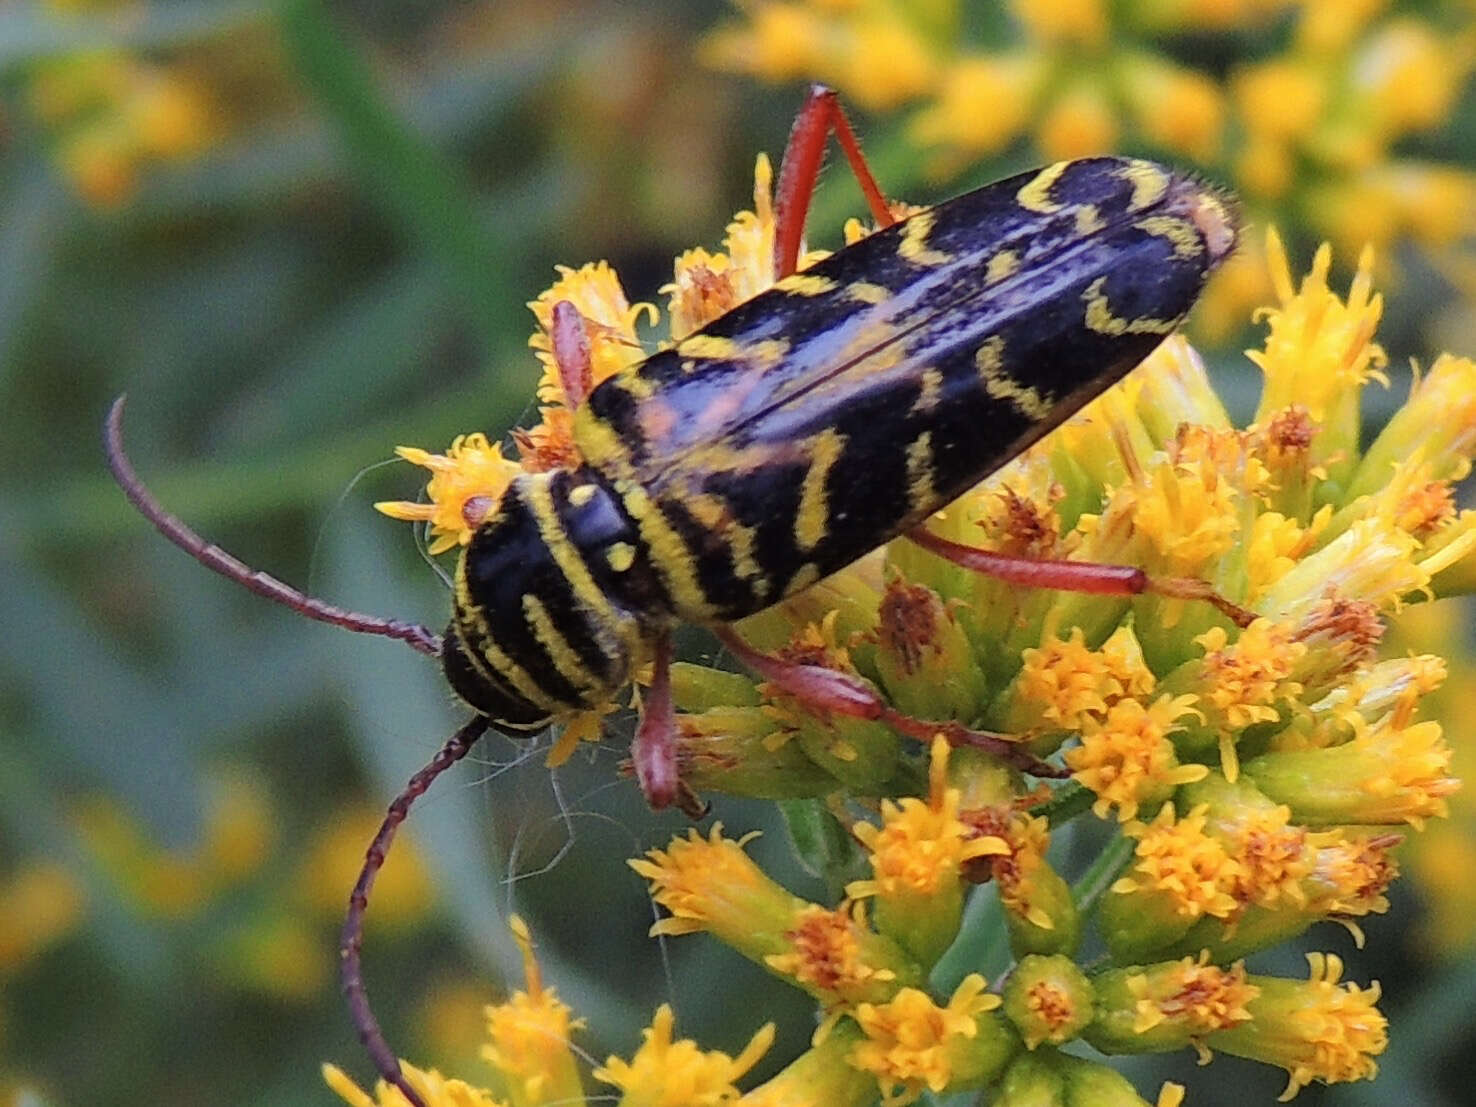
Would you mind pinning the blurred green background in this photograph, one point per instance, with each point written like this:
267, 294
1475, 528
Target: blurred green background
300, 234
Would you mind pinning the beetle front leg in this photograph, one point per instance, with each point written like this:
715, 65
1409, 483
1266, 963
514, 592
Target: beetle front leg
568, 338
845, 694
653, 753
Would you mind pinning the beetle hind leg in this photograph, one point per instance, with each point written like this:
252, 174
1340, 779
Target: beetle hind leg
1090, 577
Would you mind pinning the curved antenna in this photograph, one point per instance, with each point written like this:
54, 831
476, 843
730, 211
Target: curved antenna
351, 940
213, 557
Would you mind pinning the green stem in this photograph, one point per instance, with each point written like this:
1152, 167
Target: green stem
1099, 877
1065, 804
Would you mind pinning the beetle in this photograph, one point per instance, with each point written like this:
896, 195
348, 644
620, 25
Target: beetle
824, 417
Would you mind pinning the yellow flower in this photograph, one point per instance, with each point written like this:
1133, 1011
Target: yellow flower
708, 285
528, 1038
1008, 83
1127, 758
667, 1073
1180, 865
467, 481
434, 1090
329, 860
878, 52
40, 904
912, 1044
836, 957
1070, 685
1317, 340
1315, 1030
711, 884
917, 859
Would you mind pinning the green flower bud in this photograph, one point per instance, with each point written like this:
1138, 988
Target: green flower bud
1048, 999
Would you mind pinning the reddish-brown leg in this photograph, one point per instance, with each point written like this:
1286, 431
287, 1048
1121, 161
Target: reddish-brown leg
800, 169
569, 340
351, 942
653, 753
1077, 576
850, 696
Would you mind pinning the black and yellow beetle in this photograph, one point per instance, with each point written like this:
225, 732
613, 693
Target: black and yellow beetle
783, 441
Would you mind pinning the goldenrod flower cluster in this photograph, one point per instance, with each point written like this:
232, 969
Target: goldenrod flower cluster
1304, 104
110, 115
1257, 775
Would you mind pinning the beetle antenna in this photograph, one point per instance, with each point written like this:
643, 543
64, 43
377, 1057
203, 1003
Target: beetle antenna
351, 941
213, 557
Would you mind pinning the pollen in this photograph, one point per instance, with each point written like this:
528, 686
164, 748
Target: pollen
828, 955
909, 1040
467, 481
1275, 858
1026, 838
1051, 1008
1021, 525
907, 622
1353, 872
1127, 758
677, 1073
1244, 680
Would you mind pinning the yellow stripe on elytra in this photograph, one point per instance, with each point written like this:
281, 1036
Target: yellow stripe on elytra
1148, 180
1099, 315
1003, 264
762, 355
1035, 194
605, 620
717, 517
569, 664
813, 516
668, 553
806, 284
929, 390
920, 488
1088, 220
1180, 233
488, 658
999, 385
868, 293
914, 245
710, 346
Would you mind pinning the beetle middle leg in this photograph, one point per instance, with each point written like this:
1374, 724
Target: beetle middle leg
851, 696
